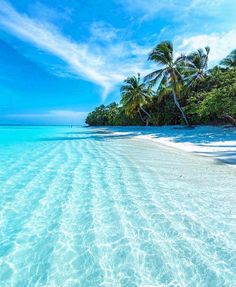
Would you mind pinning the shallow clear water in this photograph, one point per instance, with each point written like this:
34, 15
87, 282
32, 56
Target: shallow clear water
80, 207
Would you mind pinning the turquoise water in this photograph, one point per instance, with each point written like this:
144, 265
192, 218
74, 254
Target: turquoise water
83, 207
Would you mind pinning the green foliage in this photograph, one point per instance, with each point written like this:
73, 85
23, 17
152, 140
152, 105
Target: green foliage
169, 75
230, 60
163, 111
184, 86
134, 96
195, 66
98, 117
111, 115
215, 101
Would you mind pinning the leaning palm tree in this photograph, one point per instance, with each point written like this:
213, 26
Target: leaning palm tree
168, 75
135, 94
230, 60
195, 66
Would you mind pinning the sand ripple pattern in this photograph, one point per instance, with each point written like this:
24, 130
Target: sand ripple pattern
85, 207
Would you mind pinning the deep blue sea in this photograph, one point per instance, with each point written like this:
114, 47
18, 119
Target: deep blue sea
86, 207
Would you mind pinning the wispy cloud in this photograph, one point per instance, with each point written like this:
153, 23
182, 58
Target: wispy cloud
40, 11
105, 59
221, 44
105, 66
103, 31
180, 9
57, 116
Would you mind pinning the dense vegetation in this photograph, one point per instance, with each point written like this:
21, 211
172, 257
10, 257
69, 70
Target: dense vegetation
181, 90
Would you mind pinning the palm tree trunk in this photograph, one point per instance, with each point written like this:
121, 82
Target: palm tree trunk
147, 114
141, 116
179, 107
174, 81
230, 119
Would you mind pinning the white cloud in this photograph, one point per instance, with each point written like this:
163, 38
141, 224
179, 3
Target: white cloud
43, 12
103, 31
53, 116
105, 66
221, 44
153, 7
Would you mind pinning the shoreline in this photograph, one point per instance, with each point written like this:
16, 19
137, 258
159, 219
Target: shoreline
212, 141
217, 150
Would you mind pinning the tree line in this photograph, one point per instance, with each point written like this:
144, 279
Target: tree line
181, 90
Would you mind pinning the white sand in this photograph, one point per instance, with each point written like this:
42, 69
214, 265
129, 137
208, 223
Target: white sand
217, 142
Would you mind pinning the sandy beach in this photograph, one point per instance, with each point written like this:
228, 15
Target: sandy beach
212, 141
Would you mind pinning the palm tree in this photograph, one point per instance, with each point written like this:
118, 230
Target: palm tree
230, 60
135, 94
195, 66
169, 73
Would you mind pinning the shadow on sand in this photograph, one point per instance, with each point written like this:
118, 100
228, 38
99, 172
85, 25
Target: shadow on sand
205, 136
95, 135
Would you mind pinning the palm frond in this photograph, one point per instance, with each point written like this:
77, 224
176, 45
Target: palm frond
230, 60
154, 76
162, 53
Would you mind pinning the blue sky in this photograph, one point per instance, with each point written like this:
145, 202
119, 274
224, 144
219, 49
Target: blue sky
61, 58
